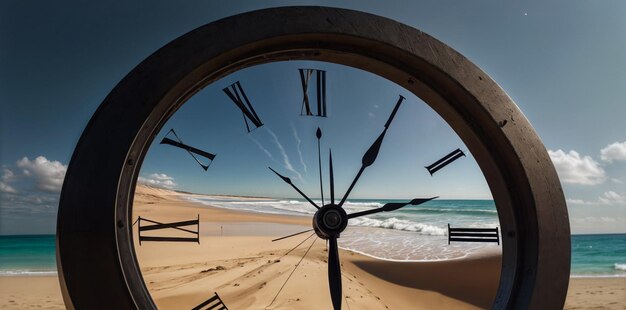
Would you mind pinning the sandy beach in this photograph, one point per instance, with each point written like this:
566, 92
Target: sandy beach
43, 293
30, 292
237, 259
596, 293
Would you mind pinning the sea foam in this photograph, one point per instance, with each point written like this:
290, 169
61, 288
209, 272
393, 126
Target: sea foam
620, 266
398, 224
20, 273
436, 214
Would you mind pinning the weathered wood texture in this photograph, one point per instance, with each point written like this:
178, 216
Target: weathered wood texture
94, 235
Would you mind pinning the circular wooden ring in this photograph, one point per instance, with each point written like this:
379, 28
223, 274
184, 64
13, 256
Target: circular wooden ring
95, 256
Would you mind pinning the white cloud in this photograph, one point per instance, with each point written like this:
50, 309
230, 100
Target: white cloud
29, 203
286, 161
574, 169
607, 198
48, 174
577, 201
161, 180
7, 177
595, 220
612, 198
6, 188
295, 135
614, 152
261, 147
161, 177
596, 224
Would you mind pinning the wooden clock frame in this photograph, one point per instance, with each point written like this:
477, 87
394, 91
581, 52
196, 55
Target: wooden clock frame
95, 255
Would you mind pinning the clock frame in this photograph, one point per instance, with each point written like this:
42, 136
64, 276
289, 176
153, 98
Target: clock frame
94, 229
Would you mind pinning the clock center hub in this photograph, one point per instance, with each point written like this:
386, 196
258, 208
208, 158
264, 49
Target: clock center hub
329, 221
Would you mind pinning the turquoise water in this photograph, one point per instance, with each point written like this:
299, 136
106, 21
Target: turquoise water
428, 219
416, 233
592, 255
599, 255
27, 255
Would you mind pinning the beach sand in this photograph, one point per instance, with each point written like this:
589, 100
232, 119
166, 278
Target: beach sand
596, 293
237, 259
30, 292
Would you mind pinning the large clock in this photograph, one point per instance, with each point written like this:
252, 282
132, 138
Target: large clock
216, 106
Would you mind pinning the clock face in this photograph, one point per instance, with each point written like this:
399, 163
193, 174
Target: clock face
311, 185
236, 133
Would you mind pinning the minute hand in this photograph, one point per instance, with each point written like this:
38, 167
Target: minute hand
370, 156
391, 206
288, 181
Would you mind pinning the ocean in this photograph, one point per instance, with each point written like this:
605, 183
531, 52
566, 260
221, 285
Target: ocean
411, 233
27, 255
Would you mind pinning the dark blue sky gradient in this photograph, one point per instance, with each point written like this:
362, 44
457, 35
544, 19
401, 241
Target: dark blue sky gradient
562, 62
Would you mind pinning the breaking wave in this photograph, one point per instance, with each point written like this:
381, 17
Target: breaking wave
398, 224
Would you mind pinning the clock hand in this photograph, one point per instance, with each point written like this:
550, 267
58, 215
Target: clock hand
391, 206
370, 156
318, 134
288, 181
334, 273
292, 235
294, 269
332, 179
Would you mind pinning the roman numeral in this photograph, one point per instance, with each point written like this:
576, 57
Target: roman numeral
305, 78
444, 161
238, 96
191, 150
212, 303
175, 225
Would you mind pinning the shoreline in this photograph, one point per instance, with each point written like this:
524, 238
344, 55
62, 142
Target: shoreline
26, 274
574, 276
456, 251
179, 275
258, 267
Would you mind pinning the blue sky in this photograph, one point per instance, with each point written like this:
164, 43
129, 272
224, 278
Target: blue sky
359, 104
562, 62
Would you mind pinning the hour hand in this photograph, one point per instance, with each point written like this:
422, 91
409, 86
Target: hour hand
334, 273
391, 207
372, 153
288, 181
